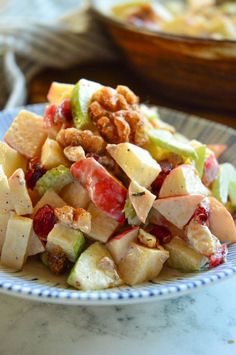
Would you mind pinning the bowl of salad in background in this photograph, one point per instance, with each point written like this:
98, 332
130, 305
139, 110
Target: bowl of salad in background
186, 55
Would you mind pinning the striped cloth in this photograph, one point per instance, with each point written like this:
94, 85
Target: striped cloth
39, 33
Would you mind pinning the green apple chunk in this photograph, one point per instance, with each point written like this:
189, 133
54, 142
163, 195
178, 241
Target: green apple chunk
94, 270
221, 222
136, 162
49, 198
71, 241
52, 155
80, 99
11, 159
54, 179
19, 193
15, 246
232, 193
102, 225
220, 187
201, 152
183, 257
178, 209
141, 199
183, 180
59, 92
26, 134
141, 264
165, 139
6, 204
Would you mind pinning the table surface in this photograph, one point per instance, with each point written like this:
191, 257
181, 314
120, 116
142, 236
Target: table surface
203, 322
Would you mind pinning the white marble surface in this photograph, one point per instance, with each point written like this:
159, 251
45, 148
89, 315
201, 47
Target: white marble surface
203, 322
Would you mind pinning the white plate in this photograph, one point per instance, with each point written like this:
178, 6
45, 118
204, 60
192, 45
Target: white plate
37, 283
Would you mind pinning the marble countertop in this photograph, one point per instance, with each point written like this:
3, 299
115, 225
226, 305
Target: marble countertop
203, 322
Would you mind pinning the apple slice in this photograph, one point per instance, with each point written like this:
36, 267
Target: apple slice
183, 257
182, 180
102, 225
178, 209
220, 187
14, 250
94, 270
35, 245
52, 155
105, 191
26, 134
49, 198
6, 204
141, 199
136, 162
221, 222
19, 193
75, 195
58, 92
11, 159
118, 245
141, 264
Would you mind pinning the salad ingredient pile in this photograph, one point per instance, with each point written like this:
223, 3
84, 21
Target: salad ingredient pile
104, 191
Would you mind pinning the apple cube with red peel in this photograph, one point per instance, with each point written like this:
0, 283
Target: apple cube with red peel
142, 200
178, 209
221, 222
22, 134
118, 245
105, 191
210, 170
141, 264
136, 162
182, 180
102, 225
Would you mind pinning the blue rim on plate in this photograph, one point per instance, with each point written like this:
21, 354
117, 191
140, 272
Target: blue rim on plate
32, 283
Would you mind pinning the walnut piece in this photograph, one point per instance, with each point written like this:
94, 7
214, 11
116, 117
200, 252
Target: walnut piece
117, 116
74, 153
89, 141
76, 218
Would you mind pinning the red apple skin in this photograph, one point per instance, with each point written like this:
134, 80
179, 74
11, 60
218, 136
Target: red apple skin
211, 169
105, 191
123, 234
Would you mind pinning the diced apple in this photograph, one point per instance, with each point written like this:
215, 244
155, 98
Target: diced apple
136, 162
102, 226
94, 270
15, 246
69, 240
35, 245
141, 264
4, 217
142, 200
221, 222
106, 192
58, 92
49, 198
11, 159
182, 180
220, 187
75, 195
26, 134
118, 245
6, 204
217, 149
178, 209
211, 169
183, 257
52, 155
19, 193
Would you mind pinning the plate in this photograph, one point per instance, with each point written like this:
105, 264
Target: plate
37, 283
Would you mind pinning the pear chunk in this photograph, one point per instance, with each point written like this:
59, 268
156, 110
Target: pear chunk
136, 162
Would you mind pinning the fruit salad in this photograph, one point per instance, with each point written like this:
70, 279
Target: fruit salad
102, 190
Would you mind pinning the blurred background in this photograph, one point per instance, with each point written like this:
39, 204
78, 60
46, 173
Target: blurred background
64, 40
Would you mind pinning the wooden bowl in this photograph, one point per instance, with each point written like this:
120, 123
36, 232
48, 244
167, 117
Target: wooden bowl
194, 71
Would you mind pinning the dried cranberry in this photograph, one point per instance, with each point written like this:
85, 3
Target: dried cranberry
219, 257
34, 171
44, 221
162, 234
166, 168
63, 112
201, 214
49, 114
